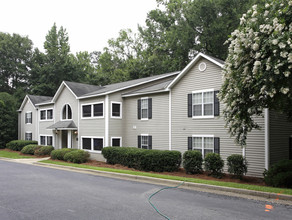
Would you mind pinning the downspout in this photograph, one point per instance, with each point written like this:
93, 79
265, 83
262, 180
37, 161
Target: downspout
106, 118
169, 120
267, 139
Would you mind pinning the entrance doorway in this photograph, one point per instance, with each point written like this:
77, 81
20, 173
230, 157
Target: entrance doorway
64, 139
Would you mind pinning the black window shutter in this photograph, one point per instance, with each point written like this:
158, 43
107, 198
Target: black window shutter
31, 117
150, 142
149, 108
190, 99
216, 104
217, 145
190, 147
139, 108
139, 141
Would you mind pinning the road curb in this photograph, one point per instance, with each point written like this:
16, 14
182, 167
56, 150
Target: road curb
166, 182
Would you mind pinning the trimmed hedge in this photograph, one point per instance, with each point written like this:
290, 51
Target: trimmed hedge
60, 153
30, 149
214, 165
17, 145
44, 150
141, 159
192, 161
280, 174
237, 165
77, 156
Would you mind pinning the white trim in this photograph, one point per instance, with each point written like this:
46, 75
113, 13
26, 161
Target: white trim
116, 138
202, 66
121, 110
46, 139
127, 87
25, 118
26, 98
92, 110
106, 125
145, 93
91, 137
267, 138
203, 136
243, 151
46, 110
145, 119
169, 121
202, 92
78, 124
59, 91
61, 113
27, 132
190, 65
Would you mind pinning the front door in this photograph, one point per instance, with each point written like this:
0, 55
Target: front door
64, 139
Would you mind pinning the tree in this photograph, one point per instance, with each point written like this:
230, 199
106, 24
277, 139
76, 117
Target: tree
15, 55
8, 119
257, 71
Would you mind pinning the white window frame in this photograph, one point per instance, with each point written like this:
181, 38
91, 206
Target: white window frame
92, 110
202, 92
121, 110
144, 135
46, 114
203, 137
145, 98
46, 139
27, 132
92, 137
116, 138
61, 115
30, 118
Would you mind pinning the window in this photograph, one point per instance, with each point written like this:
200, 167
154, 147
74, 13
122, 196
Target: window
205, 144
116, 110
116, 142
67, 112
46, 114
92, 110
28, 118
145, 108
203, 104
28, 136
46, 140
145, 141
92, 143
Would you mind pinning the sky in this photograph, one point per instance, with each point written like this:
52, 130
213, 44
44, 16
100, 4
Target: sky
89, 23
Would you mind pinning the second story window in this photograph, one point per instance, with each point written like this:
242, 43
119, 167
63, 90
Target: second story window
46, 114
28, 118
92, 110
66, 112
145, 108
116, 110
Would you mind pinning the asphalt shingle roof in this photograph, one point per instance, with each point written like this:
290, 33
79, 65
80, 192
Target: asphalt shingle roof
35, 99
80, 89
63, 125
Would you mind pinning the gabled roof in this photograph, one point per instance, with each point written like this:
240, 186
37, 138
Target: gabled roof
63, 125
80, 89
214, 60
35, 100
125, 85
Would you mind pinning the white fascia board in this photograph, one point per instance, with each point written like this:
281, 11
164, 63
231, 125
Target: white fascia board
44, 103
127, 87
26, 98
190, 65
145, 93
59, 91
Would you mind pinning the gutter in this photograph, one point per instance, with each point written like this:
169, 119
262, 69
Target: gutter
267, 138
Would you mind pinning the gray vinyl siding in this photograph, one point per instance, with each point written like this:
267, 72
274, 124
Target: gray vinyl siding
28, 107
157, 127
280, 131
183, 127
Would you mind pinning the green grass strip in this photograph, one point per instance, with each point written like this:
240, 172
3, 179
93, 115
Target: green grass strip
192, 180
12, 155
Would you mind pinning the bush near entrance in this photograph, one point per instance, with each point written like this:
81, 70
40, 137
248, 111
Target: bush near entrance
17, 145
280, 174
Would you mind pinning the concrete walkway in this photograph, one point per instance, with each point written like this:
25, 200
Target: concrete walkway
31, 161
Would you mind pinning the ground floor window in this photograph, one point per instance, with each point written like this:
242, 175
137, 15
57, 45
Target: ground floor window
46, 140
204, 144
116, 142
28, 136
145, 141
92, 143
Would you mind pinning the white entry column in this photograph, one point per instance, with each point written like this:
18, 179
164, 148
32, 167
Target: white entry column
69, 140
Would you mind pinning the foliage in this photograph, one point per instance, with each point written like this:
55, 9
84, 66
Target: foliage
192, 161
77, 156
17, 145
8, 119
280, 174
60, 153
43, 150
141, 159
257, 71
237, 165
30, 149
214, 164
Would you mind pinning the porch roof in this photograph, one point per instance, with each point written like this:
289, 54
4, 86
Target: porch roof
63, 125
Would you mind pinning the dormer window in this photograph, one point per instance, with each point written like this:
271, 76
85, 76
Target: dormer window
67, 112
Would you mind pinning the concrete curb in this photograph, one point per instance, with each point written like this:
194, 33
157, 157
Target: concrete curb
187, 185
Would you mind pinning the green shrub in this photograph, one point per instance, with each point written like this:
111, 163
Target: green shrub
60, 153
192, 161
17, 145
30, 149
237, 165
141, 159
214, 165
280, 174
44, 150
77, 156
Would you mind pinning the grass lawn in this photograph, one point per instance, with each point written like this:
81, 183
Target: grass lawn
192, 180
12, 154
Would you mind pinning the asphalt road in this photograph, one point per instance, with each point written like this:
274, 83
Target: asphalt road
31, 192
